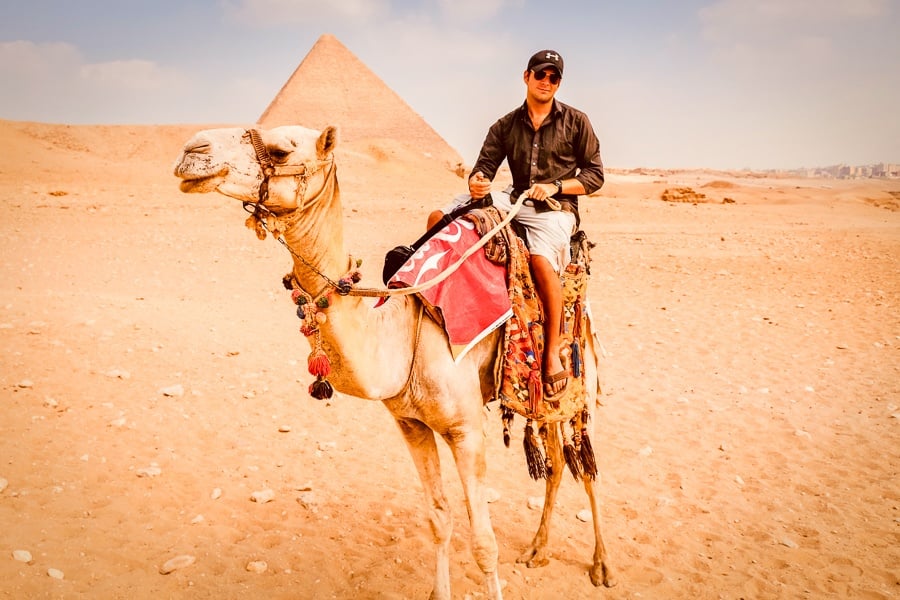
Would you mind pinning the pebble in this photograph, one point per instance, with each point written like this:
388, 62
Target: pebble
22, 556
739, 480
118, 374
179, 562
646, 451
307, 500
151, 471
50, 402
284, 429
789, 543
263, 496
3, 484
216, 493
198, 519
584, 515
25, 383
56, 573
257, 566
801, 433
536, 502
176, 390
491, 495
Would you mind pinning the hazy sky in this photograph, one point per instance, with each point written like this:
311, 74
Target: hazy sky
680, 83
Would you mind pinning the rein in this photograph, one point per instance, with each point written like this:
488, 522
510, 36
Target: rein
303, 172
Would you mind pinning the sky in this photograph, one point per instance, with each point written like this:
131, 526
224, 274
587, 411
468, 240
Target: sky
721, 84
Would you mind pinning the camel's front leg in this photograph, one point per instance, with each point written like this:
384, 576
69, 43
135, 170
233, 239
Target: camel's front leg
536, 554
468, 452
601, 573
420, 440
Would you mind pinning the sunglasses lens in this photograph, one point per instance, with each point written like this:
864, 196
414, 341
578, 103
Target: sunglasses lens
539, 76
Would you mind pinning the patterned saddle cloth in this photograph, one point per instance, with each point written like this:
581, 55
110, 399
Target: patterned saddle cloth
518, 371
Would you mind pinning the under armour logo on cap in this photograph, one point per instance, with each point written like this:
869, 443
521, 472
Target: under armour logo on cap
546, 59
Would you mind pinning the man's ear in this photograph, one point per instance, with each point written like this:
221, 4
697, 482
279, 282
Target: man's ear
327, 141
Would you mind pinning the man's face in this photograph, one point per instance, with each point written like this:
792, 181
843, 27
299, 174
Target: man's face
542, 85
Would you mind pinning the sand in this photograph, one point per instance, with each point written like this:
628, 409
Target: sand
153, 380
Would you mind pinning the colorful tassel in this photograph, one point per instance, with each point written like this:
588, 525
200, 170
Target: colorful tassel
576, 358
507, 416
572, 460
318, 364
320, 389
535, 392
588, 460
533, 455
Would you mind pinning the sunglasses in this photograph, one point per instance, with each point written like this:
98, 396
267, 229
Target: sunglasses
554, 77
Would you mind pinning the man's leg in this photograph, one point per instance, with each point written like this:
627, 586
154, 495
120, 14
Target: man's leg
549, 288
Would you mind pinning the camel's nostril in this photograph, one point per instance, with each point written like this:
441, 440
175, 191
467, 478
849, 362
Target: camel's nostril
198, 148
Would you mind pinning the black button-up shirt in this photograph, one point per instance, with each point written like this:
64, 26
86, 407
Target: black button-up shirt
563, 147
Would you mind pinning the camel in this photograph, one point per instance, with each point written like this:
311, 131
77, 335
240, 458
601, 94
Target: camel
390, 353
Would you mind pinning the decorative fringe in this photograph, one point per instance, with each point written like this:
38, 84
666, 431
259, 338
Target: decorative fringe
588, 460
573, 460
533, 455
587, 456
507, 417
543, 430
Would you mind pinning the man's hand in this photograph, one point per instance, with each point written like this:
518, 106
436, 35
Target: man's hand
479, 186
540, 191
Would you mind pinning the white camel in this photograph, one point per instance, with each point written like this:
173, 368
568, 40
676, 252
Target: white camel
390, 353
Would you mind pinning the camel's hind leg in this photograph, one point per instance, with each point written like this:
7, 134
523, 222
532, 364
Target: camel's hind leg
536, 554
601, 573
420, 440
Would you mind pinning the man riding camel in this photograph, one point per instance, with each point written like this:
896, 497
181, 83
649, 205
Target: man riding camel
553, 154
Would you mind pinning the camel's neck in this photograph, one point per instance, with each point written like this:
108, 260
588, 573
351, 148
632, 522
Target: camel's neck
355, 336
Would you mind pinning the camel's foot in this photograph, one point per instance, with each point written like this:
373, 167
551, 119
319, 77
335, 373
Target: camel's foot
601, 574
534, 557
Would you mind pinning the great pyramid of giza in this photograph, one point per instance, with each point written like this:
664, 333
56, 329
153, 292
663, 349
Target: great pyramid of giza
331, 86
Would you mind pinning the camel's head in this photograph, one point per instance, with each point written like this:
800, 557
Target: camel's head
225, 161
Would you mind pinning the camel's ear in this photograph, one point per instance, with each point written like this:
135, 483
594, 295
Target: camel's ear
327, 141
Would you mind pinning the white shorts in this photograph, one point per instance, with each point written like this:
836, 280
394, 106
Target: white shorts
548, 231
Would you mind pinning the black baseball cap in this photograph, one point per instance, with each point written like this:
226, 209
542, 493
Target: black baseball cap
546, 59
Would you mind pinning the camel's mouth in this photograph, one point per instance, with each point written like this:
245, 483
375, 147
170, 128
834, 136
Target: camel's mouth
200, 186
199, 172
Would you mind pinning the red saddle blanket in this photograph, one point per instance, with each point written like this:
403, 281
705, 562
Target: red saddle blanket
471, 302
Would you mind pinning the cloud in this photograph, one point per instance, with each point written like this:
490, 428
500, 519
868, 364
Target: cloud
55, 79
301, 12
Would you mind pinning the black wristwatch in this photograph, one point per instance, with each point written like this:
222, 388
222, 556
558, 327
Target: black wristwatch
558, 185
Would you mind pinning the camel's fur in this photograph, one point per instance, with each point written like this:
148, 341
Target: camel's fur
427, 396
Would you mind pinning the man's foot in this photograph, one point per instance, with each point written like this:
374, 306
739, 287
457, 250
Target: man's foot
556, 384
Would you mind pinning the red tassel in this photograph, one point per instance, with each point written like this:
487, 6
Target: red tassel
535, 391
318, 364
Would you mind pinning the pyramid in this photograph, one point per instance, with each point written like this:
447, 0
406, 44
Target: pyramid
331, 86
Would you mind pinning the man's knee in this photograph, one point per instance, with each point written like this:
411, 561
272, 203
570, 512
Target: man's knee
434, 217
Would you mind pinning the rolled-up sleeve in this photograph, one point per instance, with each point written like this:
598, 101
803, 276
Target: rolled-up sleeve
589, 163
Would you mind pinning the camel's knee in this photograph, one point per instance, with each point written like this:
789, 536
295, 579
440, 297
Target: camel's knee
484, 548
441, 522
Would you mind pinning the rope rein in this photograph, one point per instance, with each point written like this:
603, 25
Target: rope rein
303, 172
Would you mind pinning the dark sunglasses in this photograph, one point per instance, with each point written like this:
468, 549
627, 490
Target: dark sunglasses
554, 77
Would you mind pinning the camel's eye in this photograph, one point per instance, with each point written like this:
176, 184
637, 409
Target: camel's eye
279, 155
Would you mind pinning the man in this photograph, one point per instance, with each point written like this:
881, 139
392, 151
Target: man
552, 152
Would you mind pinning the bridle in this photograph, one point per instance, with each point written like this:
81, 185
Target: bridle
302, 172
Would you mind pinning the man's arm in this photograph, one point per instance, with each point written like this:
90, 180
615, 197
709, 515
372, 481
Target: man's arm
589, 162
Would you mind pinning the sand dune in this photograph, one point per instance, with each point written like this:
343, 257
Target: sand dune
749, 433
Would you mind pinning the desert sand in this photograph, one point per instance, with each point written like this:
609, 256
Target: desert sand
153, 379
